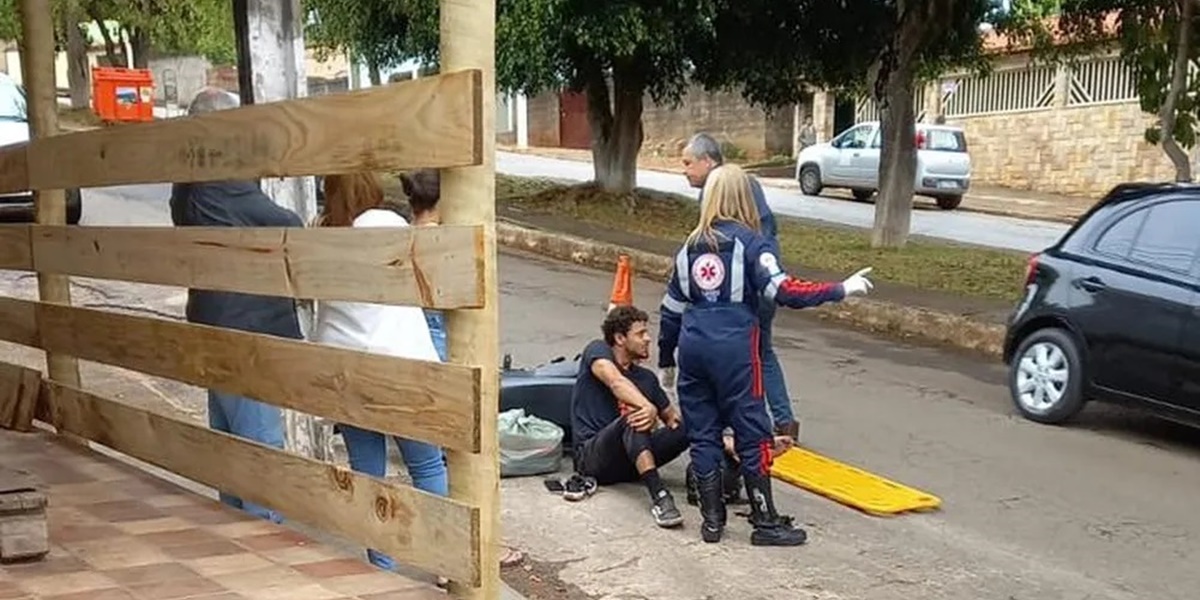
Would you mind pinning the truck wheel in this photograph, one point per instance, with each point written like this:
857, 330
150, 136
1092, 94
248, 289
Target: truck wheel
948, 202
810, 180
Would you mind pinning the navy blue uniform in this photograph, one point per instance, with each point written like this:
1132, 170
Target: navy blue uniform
710, 313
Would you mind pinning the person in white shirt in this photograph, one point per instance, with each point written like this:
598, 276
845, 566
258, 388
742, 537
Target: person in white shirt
356, 200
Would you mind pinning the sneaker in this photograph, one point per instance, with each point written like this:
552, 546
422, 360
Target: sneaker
664, 512
578, 488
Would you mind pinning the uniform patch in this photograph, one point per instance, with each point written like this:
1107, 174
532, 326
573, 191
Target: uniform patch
708, 272
769, 262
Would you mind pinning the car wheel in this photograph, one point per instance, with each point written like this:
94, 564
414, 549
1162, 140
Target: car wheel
948, 202
1046, 376
810, 180
74, 207
862, 195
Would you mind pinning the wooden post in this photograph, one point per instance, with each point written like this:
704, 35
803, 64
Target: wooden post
270, 44
37, 66
468, 41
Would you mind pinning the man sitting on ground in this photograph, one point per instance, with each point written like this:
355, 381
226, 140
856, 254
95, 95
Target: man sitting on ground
615, 408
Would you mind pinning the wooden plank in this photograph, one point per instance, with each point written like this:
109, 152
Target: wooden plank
18, 396
18, 322
427, 531
468, 41
38, 56
14, 167
427, 266
15, 252
427, 122
429, 401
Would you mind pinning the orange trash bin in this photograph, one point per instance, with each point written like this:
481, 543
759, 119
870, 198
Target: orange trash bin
122, 95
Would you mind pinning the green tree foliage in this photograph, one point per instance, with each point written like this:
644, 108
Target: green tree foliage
1156, 40
888, 48
203, 27
376, 32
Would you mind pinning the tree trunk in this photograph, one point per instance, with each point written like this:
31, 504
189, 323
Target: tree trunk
897, 161
115, 59
373, 74
139, 41
1167, 114
77, 60
616, 129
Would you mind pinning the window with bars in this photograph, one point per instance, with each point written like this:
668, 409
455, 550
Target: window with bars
1000, 91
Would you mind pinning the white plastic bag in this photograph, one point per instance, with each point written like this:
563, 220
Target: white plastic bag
528, 445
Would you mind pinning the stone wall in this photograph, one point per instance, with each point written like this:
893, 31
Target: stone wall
725, 115
1079, 150
543, 120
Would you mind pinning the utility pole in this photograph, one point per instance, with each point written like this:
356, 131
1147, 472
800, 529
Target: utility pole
271, 56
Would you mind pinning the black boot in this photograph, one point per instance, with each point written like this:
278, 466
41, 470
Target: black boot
770, 528
712, 507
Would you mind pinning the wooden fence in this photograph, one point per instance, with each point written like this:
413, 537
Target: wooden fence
444, 122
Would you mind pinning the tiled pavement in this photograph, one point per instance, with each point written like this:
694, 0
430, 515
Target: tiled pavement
117, 533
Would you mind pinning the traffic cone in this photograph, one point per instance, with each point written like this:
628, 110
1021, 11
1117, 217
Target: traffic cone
622, 290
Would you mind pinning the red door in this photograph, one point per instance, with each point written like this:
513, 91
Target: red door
573, 128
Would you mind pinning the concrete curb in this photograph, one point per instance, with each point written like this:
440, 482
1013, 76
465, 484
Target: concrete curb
876, 316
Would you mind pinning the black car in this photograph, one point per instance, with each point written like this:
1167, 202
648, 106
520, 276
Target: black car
1112, 311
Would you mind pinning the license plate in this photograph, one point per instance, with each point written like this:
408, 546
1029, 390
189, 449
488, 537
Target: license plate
945, 185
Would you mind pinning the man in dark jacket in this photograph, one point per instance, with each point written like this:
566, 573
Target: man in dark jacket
236, 204
700, 157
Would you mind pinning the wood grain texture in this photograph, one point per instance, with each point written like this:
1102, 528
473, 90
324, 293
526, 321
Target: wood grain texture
14, 167
417, 528
468, 41
435, 267
15, 249
427, 122
38, 57
18, 322
19, 388
428, 401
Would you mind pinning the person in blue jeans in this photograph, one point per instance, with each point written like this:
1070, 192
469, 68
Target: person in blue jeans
423, 190
700, 157
236, 204
356, 200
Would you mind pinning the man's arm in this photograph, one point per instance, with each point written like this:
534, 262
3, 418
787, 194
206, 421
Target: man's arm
622, 388
766, 217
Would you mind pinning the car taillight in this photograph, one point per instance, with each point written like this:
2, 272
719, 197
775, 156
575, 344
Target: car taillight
1031, 268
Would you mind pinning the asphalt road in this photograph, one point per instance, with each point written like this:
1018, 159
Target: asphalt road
961, 226
1103, 509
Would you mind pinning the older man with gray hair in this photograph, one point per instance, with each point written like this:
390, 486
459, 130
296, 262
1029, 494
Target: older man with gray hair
701, 155
236, 204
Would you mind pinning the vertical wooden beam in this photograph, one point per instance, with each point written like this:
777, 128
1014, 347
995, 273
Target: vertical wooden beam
270, 47
37, 65
468, 41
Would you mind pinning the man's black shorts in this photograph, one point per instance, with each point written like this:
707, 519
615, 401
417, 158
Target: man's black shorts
607, 455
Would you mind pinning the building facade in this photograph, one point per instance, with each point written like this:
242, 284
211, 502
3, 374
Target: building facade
1076, 130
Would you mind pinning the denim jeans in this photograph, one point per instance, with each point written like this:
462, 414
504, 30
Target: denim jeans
250, 419
778, 400
426, 463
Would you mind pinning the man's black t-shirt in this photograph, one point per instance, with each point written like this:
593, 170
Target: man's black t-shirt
593, 405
